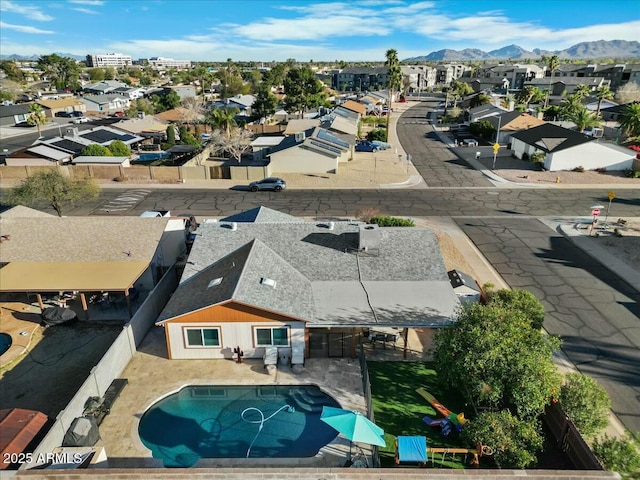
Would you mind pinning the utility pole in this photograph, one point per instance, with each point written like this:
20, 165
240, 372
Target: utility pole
496, 146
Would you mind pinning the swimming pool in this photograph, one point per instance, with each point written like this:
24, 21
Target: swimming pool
151, 156
236, 422
5, 342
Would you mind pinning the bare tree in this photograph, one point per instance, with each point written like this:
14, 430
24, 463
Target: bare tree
235, 145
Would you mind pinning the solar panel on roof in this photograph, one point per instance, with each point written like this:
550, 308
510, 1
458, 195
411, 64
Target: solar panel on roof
325, 135
69, 145
100, 136
337, 151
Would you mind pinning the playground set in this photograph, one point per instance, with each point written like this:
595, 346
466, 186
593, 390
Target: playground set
450, 421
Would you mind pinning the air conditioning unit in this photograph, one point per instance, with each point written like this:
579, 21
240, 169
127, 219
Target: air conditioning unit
597, 132
300, 136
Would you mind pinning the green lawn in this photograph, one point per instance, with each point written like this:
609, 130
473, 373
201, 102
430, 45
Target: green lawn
398, 409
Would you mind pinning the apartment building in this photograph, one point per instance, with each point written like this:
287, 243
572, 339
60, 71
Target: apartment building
114, 60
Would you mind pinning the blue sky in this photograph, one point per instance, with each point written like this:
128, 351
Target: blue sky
264, 30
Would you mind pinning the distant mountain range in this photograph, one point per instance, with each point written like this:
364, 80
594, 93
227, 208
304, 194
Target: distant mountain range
583, 50
35, 58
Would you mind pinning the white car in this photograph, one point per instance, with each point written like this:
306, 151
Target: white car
80, 120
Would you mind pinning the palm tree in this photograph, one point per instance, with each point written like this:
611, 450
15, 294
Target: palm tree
582, 91
584, 119
630, 120
553, 63
223, 119
37, 117
603, 93
528, 94
394, 78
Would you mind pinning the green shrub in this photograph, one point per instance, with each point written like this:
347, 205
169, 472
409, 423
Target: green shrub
387, 221
482, 128
618, 456
377, 134
631, 174
537, 157
586, 403
578, 169
520, 301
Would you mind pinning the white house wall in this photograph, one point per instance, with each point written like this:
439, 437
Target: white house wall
590, 156
298, 160
172, 244
519, 148
235, 334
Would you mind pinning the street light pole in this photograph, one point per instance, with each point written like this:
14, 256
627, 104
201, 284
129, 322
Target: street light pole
495, 150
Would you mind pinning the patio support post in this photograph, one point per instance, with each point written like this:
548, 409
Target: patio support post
354, 343
40, 304
83, 301
128, 300
405, 337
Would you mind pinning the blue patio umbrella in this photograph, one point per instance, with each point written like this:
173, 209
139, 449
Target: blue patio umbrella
353, 425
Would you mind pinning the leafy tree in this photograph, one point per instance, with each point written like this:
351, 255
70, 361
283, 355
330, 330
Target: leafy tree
96, 150
6, 95
54, 188
96, 74
377, 134
275, 76
265, 104
603, 93
552, 62
186, 138
231, 82
515, 442
63, 72
119, 149
482, 128
303, 90
460, 90
618, 455
586, 403
145, 80
109, 73
12, 71
138, 105
520, 301
166, 101
171, 135
503, 361
222, 119
630, 120
481, 99
37, 117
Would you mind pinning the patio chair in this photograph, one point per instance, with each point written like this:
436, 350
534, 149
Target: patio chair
411, 450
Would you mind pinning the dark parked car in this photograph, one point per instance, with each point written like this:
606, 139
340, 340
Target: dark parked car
272, 183
64, 114
77, 113
366, 146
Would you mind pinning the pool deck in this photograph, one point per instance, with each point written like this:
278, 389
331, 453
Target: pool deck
152, 375
20, 320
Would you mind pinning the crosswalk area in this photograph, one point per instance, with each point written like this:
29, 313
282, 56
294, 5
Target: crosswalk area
125, 201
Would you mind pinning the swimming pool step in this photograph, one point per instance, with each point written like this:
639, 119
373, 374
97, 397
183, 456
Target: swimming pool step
306, 403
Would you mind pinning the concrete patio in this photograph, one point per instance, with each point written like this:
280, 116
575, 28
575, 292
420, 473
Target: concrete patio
151, 376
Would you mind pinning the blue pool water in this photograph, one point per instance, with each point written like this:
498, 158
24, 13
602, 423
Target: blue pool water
224, 422
151, 156
5, 342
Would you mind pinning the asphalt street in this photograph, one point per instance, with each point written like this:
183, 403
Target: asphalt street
596, 314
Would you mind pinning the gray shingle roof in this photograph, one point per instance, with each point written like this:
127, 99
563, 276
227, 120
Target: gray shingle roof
261, 214
551, 138
321, 275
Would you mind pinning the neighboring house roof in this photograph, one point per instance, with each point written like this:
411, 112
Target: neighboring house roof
19, 428
13, 110
77, 253
514, 121
300, 125
62, 103
365, 70
104, 99
402, 282
617, 108
148, 124
551, 138
244, 101
105, 85
267, 141
178, 114
44, 151
346, 113
354, 106
20, 211
486, 109
589, 81
97, 159
262, 214
458, 279
339, 124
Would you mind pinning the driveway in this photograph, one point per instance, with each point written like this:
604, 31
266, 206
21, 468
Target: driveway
596, 314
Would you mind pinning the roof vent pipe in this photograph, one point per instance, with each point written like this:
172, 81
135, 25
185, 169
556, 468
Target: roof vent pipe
330, 225
234, 226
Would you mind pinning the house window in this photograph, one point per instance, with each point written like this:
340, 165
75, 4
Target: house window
272, 336
202, 337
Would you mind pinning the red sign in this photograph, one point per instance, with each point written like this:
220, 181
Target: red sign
595, 212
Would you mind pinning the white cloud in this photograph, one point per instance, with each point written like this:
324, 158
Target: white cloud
29, 11
377, 3
23, 29
95, 3
86, 10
